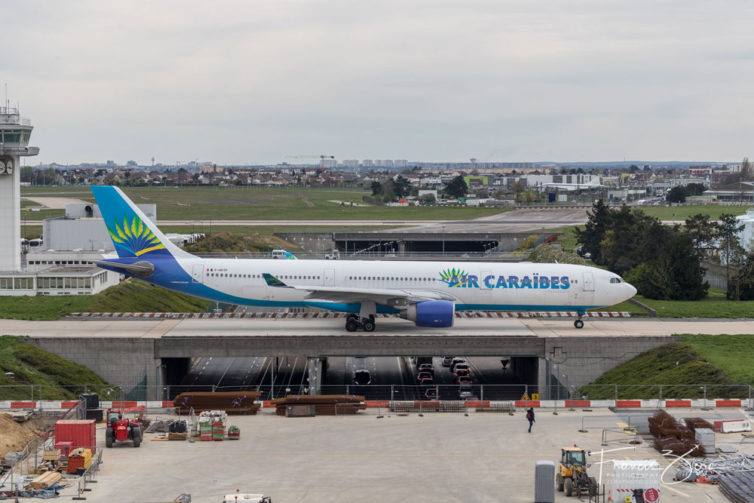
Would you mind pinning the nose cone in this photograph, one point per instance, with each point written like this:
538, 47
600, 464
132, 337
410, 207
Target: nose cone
630, 290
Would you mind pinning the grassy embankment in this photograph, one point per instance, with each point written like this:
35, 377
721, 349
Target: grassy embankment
722, 362
54, 378
129, 296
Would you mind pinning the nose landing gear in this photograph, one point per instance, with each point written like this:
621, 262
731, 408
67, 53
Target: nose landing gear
579, 323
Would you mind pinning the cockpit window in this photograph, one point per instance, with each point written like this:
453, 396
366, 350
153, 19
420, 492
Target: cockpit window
614, 280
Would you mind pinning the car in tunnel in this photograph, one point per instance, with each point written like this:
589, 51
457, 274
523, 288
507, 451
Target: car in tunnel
362, 377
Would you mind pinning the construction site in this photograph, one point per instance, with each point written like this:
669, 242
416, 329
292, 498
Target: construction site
207, 447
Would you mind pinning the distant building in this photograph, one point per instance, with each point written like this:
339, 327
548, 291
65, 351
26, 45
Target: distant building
747, 233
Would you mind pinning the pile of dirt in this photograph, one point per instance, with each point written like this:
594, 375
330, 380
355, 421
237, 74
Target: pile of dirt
14, 436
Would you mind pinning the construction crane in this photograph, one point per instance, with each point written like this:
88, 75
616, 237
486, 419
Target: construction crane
321, 157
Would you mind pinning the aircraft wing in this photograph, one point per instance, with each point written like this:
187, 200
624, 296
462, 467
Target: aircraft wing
344, 294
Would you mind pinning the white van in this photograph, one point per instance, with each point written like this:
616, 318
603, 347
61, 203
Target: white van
283, 255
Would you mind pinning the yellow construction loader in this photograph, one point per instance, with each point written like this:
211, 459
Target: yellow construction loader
572, 477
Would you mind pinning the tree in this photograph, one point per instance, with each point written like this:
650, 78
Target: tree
731, 251
674, 272
702, 232
376, 188
401, 187
590, 238
457, 187
746, 171
745, 278
676, 195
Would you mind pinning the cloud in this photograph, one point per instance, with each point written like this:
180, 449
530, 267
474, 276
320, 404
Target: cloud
251, 81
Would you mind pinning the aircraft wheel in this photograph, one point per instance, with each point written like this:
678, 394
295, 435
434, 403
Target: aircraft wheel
368, 324
578, 323
352, 325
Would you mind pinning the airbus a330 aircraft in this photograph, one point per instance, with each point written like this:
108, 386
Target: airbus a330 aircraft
427, 293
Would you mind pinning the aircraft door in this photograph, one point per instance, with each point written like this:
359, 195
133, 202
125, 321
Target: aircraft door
587, 287
197, 273
329, 277
588, 284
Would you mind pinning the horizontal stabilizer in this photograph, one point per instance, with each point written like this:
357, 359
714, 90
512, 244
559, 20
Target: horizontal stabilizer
141, 269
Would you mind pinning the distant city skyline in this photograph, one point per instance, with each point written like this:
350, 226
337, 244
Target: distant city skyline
248, 82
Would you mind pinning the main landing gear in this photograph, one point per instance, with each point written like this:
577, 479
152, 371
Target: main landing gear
354, 322
579, 323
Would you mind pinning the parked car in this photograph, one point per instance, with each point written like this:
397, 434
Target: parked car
362, 377
430, 393
446, 361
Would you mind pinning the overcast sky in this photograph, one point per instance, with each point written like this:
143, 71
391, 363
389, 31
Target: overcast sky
253, 82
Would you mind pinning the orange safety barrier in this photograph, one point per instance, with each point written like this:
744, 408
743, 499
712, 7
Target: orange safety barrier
23, 405
123, 405
727, 403
677, 403
578, 403
526, 403
373, 404
630, 404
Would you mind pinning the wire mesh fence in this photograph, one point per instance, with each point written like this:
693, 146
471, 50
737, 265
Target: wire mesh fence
708, 393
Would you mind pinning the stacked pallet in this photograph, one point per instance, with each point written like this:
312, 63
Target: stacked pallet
47, 479
671, 436
232, 402
324, 405
737, 487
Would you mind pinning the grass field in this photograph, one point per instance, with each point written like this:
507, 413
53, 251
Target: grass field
55, 377
266, 203
30, 216
130, 296
714, 306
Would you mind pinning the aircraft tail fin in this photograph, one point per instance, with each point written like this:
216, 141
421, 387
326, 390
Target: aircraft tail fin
132, 232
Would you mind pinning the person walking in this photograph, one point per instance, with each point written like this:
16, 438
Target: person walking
530, 417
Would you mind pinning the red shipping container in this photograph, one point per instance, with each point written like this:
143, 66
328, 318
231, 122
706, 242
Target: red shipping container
80, 432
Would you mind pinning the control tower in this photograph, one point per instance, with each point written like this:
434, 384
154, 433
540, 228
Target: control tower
14, 143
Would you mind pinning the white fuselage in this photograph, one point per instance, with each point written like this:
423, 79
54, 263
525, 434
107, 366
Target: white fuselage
471, 285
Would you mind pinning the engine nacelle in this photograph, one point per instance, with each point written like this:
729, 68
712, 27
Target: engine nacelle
430, 313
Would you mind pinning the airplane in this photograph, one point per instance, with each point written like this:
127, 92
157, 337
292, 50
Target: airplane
427, 293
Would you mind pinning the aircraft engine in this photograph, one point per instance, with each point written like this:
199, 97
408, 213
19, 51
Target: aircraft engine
430, 313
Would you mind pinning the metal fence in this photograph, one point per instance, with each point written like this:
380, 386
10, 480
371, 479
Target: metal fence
34, 392
707, 392
664, 391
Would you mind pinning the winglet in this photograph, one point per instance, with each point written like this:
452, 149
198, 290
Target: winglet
272, 280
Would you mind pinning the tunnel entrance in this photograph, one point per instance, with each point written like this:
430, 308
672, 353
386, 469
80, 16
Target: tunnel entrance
376, 378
